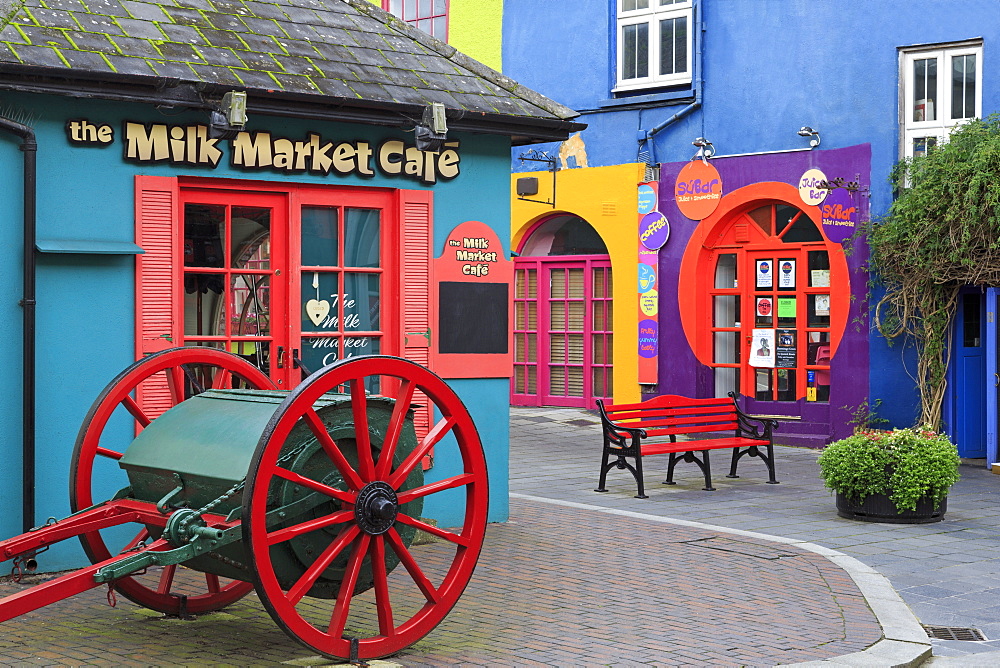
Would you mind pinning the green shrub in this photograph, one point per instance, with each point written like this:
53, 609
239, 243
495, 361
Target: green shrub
904, 464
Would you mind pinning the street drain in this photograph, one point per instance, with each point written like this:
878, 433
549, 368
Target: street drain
581, 423
953, 633
744, 548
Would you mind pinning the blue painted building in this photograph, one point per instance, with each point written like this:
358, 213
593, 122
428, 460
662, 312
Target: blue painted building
761, 94
156, 215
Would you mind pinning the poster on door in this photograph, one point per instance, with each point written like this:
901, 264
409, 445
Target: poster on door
785, 350
765, 273
762, 349
786, 274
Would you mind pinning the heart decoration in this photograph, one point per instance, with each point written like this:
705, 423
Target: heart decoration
317, 310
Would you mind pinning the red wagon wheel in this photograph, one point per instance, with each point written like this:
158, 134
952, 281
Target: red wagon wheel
348, 599
176, 375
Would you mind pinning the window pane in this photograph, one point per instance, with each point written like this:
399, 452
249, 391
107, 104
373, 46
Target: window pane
204, 231
673, 46
786, 384
410, 9
632, 5
361, 302
440, 7
320, 310
396, 6
249, 237
925, 89
727, 348
440, 28
923, 144
424, 8
361, 238
971, 322
635, 51
319, 236
203, 304
725, 271
963, 86
726, 311
250, 306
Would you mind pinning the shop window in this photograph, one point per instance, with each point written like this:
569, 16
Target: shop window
431, 16
941, 88
654, 43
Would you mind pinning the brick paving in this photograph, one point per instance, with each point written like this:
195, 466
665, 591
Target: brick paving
562, 585
555, 587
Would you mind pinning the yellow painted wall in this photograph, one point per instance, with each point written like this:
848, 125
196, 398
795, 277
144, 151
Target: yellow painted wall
474, 28
606, 197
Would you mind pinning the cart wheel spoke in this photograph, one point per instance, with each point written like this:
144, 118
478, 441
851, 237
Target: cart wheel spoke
305, 583
383, 601
332, 492
433, 530
332, 450
411, 566
340, 611
359, 407
396, 422
175, 382
159, 375
222, 380
212, 583
433, 488
281, 535
439, 431
132, 407
166, 579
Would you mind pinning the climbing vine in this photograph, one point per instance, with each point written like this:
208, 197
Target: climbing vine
941, 233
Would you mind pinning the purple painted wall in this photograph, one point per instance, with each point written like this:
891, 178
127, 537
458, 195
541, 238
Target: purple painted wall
681, 373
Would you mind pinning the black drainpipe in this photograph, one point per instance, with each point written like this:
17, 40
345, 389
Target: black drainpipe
30, 149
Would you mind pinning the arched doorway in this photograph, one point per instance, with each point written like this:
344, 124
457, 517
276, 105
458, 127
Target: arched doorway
562, 316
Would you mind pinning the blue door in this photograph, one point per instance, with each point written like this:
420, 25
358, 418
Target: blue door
992, 377
966, 423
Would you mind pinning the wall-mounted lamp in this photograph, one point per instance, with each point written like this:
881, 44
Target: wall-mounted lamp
230, 117
806, 131
432, 131
705, 148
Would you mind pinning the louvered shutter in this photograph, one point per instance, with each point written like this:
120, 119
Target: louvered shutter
157, 220
416, 229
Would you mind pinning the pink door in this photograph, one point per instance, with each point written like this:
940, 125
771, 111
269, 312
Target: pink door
562, 331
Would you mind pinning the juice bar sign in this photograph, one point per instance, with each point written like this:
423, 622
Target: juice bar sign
147, 143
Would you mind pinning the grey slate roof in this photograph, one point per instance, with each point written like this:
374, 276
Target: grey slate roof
289, 55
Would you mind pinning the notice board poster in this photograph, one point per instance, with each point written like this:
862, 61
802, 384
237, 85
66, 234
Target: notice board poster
786, 349
472, 294
762, 350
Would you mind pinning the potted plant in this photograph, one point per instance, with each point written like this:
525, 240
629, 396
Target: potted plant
898, 476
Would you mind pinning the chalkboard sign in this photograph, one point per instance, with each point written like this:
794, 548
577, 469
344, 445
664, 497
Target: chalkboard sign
472, 317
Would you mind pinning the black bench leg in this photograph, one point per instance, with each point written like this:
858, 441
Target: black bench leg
707, 470
637, 474
671, 463
770, 464
736, 459
605, 467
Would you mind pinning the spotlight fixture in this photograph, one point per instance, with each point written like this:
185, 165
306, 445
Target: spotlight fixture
806, 131
432, 131
705, 148
230, 117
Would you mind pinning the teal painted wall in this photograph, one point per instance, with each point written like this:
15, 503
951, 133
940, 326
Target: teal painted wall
86, 303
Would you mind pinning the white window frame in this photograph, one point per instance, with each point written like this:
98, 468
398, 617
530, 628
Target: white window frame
431, 16
939, 128
651, 17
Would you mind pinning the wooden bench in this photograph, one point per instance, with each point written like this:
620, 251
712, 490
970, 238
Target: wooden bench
661, 419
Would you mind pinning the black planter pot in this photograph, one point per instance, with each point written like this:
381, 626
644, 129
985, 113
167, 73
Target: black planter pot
880, 508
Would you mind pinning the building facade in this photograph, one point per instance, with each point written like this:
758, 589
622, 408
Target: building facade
315, 229
732, 149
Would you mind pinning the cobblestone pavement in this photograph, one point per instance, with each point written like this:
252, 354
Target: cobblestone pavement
580, 578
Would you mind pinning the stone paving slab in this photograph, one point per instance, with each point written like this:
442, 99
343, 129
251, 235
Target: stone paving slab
555, 586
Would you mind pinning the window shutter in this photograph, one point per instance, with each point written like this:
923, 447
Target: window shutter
416, 233
156, 223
